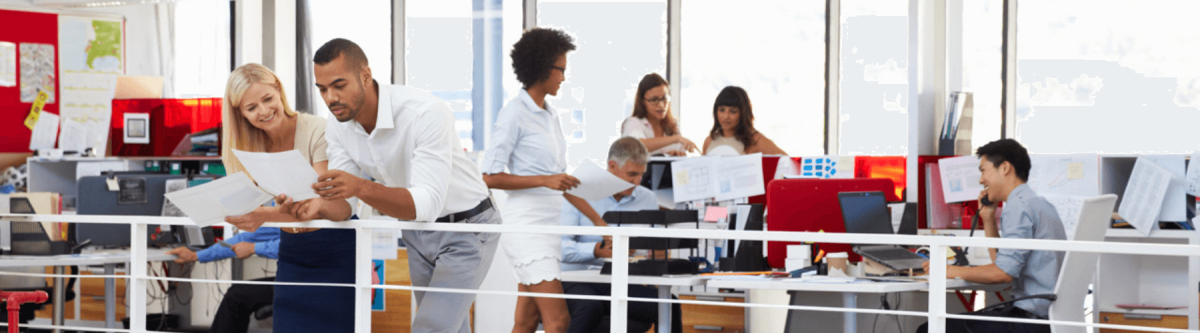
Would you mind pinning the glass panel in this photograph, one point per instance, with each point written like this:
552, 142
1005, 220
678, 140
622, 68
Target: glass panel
874, 85
617, 43
982, 36
439, 56
1095, 79
785, 77
201, 48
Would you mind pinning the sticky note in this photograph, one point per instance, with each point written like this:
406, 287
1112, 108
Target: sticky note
714, 213
1075, 170
681, 177
36, 110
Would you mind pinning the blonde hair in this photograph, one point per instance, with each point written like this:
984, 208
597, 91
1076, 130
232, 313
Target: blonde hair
236, 131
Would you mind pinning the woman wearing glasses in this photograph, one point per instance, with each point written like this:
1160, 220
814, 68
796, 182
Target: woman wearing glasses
652, 122
527, 156
733, 127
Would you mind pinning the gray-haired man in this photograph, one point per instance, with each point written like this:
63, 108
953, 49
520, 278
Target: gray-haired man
627, 159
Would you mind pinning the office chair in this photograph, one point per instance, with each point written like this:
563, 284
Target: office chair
1078, 269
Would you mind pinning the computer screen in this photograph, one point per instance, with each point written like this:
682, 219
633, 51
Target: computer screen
865, 212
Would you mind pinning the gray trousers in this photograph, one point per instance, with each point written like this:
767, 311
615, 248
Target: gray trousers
454, 260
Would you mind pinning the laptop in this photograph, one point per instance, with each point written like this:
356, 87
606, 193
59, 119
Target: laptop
866, 213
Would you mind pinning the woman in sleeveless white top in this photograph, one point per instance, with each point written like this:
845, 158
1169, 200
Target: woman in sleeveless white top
652, 122
733, 127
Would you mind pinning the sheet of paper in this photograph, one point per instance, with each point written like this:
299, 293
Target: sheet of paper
37, 71
1144, 194
286, 173
1068, 208
596, 183
1193, 175
743, 215
44, 132
210, 203
827, 167
8, 64
960, 178
1069, 175
692, 178
86, 100
715, 213
739, 177
73, 135
1174, 208
173, 185
91, 56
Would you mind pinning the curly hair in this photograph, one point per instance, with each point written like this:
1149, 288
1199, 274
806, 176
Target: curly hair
533, 56
735, 97
651, 81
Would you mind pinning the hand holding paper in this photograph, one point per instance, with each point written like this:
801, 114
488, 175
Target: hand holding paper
210, 203
280, 173
596, 183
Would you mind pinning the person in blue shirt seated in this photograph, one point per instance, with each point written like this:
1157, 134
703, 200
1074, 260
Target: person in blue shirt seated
241, 300
1005, 169
627, 159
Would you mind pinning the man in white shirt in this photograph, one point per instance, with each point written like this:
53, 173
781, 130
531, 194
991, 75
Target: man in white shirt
404, 139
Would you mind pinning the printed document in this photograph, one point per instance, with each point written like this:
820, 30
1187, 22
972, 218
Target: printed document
960, 178
210, 203
1174, 206
596, 183
280, 173
1143, 197
722, 178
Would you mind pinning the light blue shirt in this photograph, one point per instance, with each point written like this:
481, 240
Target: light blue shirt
526, 139
1029, 216
578, 250
265, 239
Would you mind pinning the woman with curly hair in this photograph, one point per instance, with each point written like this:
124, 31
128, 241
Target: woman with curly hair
528, 157
733, 126
652, 122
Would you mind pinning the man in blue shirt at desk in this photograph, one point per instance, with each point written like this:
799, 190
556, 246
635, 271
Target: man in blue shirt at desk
1005, 169
627, 159
241, 300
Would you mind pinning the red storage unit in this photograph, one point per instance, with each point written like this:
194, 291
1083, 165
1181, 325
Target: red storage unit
812, 205
170, 121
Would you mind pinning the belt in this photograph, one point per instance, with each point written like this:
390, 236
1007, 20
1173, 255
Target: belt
466, 214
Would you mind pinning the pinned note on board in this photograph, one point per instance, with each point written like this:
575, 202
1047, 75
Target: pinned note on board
715, 213
36, 111
1075, 170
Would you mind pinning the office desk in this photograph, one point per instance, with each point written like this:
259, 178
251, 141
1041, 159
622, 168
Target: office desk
664, 284
849, 291
108, 259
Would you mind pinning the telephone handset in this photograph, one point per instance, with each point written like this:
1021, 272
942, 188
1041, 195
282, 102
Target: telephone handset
960, 256
986, 202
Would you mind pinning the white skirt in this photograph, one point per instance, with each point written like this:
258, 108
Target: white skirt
534, 257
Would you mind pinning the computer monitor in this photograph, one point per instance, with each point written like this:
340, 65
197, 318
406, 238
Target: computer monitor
865, 212
908, 220
141, 194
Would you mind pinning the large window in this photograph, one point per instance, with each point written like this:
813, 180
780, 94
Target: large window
781, 67
874, 78
201, 48
982, 57
618, 43
367, 23
438, 56
1098, 79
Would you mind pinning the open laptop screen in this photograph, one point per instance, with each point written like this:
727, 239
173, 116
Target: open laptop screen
865, 212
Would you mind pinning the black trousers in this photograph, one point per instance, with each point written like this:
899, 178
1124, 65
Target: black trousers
239, 304
587, 316
978, 326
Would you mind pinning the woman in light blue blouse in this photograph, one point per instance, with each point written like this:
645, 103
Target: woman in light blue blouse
527, 156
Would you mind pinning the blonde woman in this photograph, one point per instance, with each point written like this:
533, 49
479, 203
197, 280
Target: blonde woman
256, 117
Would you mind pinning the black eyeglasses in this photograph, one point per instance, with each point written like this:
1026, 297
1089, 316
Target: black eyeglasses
564, 70
656, 100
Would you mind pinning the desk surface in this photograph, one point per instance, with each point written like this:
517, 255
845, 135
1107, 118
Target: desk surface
101, 258
855, 287
594, 276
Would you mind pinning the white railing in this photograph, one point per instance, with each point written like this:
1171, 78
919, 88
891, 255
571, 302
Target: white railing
138, 277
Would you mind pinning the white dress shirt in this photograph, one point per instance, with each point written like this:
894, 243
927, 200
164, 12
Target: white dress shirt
578, 251
639, 128
527, 140
414, 146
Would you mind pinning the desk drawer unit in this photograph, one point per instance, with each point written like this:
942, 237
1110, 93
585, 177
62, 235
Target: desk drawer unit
1148, 320
712, 318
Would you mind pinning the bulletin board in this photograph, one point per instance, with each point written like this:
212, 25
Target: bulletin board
24, 28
